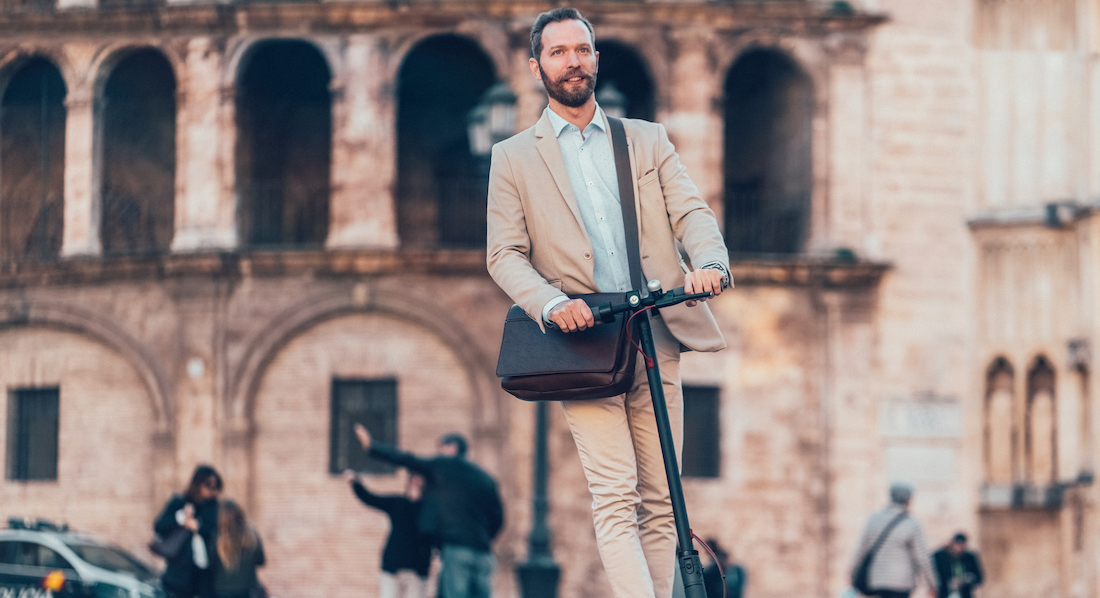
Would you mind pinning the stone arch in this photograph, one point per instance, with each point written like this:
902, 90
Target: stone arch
107, 332
136, 91
13, 60
108, 57
284, 143
768, 174
622, 65
998, 429
441, 187
1040, 424
392, 300
32, 158
243, 49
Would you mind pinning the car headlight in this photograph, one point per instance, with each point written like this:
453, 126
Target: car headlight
106, 590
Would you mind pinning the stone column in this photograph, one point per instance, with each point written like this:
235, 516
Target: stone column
205, 196
199, 376
846, 221
695, 119
82, 206
364, 166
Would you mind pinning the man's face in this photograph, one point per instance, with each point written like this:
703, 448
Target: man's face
958, 547
568, 63
447, 450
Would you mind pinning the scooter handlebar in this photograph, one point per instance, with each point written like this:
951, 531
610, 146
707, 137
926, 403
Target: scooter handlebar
606, 312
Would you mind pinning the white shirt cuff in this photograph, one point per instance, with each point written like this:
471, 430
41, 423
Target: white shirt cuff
551, 304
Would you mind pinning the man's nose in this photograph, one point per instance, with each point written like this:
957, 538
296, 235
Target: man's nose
574, 59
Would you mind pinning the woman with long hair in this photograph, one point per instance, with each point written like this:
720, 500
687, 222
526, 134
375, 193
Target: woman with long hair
240, 552
189, 572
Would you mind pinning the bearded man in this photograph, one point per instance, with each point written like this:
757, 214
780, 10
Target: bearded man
555, 229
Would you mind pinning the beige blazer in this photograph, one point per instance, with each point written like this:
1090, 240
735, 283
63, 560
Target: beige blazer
538, 248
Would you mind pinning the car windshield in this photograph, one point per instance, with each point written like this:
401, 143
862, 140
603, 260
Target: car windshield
111, 558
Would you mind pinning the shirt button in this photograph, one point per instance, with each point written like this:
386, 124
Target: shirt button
587, 255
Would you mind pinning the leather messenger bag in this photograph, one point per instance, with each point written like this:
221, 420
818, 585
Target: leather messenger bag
591, 364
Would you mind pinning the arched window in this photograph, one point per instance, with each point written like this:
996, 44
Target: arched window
625, 71
284, 145
441, 187
999, 442
1040, 443
139, 154
32, 162
768, 170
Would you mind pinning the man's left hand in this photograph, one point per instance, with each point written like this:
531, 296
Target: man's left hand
703, 280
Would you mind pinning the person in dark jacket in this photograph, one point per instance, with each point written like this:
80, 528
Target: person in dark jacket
191, 572
734, 574
240, 553
461, 508
407, 556
957, 569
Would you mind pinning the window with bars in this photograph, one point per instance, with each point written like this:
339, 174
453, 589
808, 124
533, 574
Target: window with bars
33, 422
372, 403
702, 457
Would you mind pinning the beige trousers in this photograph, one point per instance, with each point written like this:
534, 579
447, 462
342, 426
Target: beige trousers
621, 455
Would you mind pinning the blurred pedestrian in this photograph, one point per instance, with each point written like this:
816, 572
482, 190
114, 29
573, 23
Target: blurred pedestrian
190, 572
240, 552
461, 509
407, 555
735, 577
895, 550
958, 569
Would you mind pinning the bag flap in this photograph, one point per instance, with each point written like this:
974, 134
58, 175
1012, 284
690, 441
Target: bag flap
526, 350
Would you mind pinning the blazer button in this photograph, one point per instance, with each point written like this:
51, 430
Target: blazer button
587, 255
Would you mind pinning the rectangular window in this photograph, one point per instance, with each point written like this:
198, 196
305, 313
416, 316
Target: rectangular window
372, 403
702, 433
33, 420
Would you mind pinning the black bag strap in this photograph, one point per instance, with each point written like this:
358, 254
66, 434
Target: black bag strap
626, 200
882, 537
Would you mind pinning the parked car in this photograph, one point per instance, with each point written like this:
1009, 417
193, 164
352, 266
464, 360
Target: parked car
40, 559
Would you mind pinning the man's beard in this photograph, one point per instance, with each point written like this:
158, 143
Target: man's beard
558, 91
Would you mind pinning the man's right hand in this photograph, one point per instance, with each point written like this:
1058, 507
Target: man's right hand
572, 315
363, 435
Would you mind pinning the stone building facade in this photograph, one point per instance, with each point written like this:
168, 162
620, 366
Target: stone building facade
216, 216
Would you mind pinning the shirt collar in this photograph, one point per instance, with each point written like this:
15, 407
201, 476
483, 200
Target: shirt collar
559, 123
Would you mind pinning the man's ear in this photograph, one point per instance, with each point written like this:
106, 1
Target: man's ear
597, 62
534, 64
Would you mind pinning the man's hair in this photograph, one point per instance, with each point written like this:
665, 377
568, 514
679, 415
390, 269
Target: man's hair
455, 439
959, 538
554, 16
900, 493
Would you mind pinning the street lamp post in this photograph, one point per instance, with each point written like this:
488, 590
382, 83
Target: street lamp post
611, 100
490, 121
538, 576
493, 119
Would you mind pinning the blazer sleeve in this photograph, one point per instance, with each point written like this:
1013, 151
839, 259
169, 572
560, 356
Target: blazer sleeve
693, 222
508, 257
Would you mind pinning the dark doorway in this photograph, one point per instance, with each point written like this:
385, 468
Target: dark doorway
621, 67
441, 187
32, 162
139, 155
284, 145
768, 169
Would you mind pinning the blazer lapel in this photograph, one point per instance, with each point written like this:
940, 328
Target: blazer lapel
551, 155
